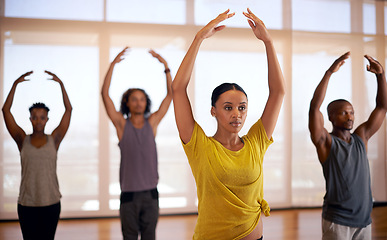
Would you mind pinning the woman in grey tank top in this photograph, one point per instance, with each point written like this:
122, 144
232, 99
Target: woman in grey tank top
39, 196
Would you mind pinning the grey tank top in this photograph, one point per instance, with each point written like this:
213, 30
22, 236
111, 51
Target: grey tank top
39, 183
348, 198
138, 168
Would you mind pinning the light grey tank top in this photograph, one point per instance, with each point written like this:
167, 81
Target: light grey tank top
138, 169
39, 183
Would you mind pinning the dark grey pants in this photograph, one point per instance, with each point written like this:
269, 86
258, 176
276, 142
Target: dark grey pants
139, 213
39, 223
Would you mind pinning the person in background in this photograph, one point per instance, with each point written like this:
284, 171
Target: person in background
39, 197
228, 168
136, 129
348, 202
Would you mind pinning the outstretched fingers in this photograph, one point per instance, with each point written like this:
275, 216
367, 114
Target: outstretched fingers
212, 27
121, 56
220, 18
157, 56
339, 62
257, 26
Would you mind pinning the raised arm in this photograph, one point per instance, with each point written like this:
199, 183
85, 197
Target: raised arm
275, 78
319, 135
183, 112
369, 128
60, 131
157, 116
16, 132
116, 117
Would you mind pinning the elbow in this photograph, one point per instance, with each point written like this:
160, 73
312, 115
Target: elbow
69, 108
281, 93
104, 93
5, 109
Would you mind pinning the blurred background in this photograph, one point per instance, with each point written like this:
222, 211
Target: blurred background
77, 40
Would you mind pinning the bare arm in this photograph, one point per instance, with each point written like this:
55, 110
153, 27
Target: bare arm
183, 112
60, 131
116, 117
275, 78
319, 135
157, 116
16, 132
367, 129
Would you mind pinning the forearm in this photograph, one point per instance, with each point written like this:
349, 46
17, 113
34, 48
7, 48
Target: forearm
168, 79
275, 76
320, 92
107, 80
381, 95
184, 73
66, 100
169, 83
8, 102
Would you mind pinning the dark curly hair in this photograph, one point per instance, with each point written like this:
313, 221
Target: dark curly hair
224, 87
39, 105
124, 109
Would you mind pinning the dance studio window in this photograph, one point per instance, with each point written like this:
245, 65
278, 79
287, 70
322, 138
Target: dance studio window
369, 18
77, 66
150, 11
270, 12
87, 10
385, 20
321, 15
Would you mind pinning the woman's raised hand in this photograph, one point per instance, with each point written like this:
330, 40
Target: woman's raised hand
121, 55
212, 27
22, 78
54, 77
257, 26
157, 56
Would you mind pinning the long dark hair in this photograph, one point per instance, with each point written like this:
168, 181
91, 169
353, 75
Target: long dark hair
124, 109
224, 87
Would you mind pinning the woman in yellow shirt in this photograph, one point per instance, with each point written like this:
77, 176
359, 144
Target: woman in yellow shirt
228, 168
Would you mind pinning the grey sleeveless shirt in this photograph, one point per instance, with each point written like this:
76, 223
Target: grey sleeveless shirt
39, 183
348, 198
138, 168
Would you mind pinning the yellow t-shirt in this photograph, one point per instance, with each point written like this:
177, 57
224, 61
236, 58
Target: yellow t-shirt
229, 183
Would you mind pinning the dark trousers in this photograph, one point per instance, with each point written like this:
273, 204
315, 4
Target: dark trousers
139, 213
39, 222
